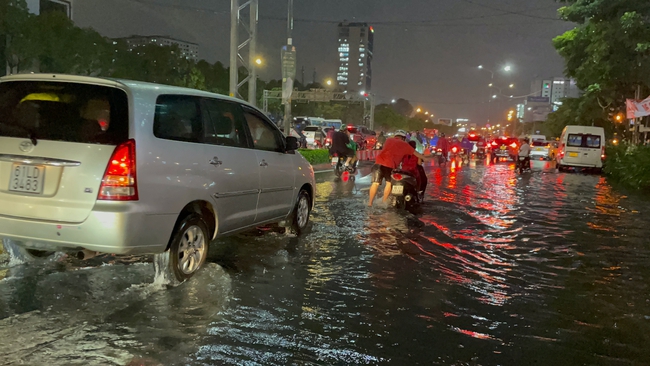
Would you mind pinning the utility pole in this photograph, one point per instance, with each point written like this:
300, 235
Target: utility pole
288, 70
637, 121
234, 43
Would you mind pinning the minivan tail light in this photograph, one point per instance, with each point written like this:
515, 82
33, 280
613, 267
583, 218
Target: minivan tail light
119, 182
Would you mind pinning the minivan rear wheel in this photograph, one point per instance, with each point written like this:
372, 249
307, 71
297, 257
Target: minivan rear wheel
188, 248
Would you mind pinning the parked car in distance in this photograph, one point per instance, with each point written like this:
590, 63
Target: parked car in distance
542, 150
315, 136
581, 147
92, 165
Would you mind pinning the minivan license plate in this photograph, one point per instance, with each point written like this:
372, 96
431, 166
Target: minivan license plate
27, 178
573, 154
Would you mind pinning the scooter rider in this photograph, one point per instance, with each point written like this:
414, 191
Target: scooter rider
443, 145
341, 147
389, 158
524, 151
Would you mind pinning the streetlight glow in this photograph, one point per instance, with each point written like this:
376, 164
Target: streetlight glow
427, 113
328, 82
258, 61
419, 110
393, 101
507, 68
490, 85
512, 85
494, 96
480, 66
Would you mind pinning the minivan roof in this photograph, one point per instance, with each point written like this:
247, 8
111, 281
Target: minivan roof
584, 129
125, 83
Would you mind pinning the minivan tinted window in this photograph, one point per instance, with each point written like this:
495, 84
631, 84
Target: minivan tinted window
62, 111
178, 117
580, 140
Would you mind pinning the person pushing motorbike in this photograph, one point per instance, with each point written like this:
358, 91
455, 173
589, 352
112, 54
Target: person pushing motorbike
391, 156
342, 146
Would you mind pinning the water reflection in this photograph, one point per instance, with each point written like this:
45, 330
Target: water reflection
497, 268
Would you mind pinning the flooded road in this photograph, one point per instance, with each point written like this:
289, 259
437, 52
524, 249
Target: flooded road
546, 268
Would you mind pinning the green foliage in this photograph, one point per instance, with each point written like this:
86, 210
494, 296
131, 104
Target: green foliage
315, 157
628, 165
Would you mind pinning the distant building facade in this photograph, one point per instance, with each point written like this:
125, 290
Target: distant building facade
555, 89
355, 51
189, 50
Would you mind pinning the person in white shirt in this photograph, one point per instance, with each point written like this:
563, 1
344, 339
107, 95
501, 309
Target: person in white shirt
524, 150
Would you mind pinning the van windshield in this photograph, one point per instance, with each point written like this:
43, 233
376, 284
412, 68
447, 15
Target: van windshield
59, 111
581, 140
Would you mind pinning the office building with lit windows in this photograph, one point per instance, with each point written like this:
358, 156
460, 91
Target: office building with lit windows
188, 50
555, 89
355, 48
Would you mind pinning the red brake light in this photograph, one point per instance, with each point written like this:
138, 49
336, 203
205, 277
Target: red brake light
119, 181
454, 149
513, 145
397, 176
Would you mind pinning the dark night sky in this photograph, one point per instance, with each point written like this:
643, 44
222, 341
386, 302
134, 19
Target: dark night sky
426, 51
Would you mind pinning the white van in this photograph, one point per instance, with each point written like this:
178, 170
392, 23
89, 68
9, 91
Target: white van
581, 147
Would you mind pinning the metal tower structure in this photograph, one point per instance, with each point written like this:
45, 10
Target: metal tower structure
238, 22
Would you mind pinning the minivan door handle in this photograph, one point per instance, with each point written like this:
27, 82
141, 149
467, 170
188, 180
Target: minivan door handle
215, 161
264, 163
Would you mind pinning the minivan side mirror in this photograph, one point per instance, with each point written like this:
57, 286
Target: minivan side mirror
292, 143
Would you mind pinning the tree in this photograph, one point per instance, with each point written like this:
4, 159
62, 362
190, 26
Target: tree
608, 53
403, 107
388, 119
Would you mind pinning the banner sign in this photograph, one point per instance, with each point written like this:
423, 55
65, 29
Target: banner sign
288, 55
637, 109
445, 121
538, 100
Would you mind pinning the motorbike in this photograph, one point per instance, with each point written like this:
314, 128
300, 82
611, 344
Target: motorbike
441, 157
523, 164
339, 167
454, 154
404, 191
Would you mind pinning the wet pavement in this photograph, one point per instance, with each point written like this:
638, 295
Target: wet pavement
495, 268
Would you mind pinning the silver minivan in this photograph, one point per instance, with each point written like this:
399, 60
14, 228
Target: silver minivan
95, 165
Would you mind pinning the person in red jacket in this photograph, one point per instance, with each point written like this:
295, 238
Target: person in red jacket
413, 165
390, 158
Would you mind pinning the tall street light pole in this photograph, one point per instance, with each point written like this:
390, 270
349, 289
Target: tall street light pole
506, 68
288, 70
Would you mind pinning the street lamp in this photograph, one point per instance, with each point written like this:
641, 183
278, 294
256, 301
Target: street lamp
511, 86
328, 82
258, 61
427, 113
507, 68
393, 101
494, 96
419, 110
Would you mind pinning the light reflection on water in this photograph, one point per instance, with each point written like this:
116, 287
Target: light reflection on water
498, 268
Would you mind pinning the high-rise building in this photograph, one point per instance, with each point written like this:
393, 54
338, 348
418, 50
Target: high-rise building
555, 89
355, 57
188, 50
44, 6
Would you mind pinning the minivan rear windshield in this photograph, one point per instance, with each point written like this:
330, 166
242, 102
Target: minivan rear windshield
540, 143
62, 111
580, 140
